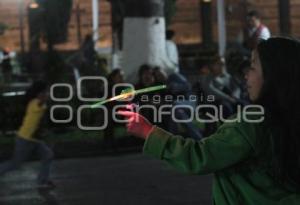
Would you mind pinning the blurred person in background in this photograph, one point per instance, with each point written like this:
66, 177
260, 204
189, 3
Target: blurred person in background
145, 79
253, 31
114, 78
220, 84
27, 141
181, 90
171, 62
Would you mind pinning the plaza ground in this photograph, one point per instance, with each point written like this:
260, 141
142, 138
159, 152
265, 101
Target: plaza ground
110, 180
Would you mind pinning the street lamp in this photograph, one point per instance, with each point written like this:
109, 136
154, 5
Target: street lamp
33, 5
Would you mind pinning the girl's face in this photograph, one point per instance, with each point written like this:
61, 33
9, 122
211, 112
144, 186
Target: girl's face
254, 77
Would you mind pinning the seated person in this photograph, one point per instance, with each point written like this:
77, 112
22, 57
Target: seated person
181, 90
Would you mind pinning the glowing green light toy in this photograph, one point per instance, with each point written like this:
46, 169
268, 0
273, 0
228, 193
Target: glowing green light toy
127, 93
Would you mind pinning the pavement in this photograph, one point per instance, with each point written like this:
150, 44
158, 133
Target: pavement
111, 180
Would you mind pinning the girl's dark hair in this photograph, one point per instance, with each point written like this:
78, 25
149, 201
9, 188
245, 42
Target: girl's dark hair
34, 90
280, 61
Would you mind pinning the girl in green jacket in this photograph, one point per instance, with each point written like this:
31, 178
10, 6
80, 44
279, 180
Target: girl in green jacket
252, 163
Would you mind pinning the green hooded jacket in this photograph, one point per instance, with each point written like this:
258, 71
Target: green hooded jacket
238, 155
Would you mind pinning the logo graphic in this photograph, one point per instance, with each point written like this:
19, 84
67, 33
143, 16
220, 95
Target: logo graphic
172, 108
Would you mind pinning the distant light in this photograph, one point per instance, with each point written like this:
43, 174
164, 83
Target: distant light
33, 5
11, 94
206, 1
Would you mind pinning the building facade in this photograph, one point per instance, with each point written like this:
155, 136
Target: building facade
187, 22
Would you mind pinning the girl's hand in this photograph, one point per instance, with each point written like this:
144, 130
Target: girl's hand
137, 124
